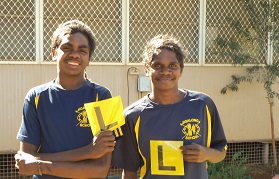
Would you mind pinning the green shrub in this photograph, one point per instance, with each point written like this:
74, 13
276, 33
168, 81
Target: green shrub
235, 169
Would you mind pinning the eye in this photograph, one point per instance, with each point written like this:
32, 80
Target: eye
66, 48
84, 51
156, 66
175, 65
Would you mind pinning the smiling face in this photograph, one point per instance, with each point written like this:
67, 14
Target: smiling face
164, 71
72, 55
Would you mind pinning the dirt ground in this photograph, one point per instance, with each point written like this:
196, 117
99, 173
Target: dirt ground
260, 172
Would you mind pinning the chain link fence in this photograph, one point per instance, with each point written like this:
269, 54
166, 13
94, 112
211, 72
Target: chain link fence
17, 30
226, 19
177, 18
103, 17
122, 28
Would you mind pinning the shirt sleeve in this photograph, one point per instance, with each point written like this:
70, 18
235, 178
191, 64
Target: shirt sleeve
218, 138
103, 93
30, 127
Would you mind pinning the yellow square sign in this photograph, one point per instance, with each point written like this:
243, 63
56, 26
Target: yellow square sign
107, 114
166, 158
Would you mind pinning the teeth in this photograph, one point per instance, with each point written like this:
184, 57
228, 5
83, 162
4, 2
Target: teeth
73, 63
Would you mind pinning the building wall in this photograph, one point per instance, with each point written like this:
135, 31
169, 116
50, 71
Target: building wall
245, 114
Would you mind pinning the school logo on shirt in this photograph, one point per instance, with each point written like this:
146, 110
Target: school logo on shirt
191, 128
82, 117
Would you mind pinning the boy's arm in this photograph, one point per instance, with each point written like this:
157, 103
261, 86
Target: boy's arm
197, 153
102, 145
91, 168
91, 161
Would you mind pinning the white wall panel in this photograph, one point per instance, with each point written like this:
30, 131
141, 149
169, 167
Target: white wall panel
245, 114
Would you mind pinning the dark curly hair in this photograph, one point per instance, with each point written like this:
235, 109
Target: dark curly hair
72, 27
163, 42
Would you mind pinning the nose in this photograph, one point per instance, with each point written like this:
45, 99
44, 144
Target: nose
165, 70
74, 54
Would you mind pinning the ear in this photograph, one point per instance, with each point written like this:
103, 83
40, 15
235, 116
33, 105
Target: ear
54, 54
